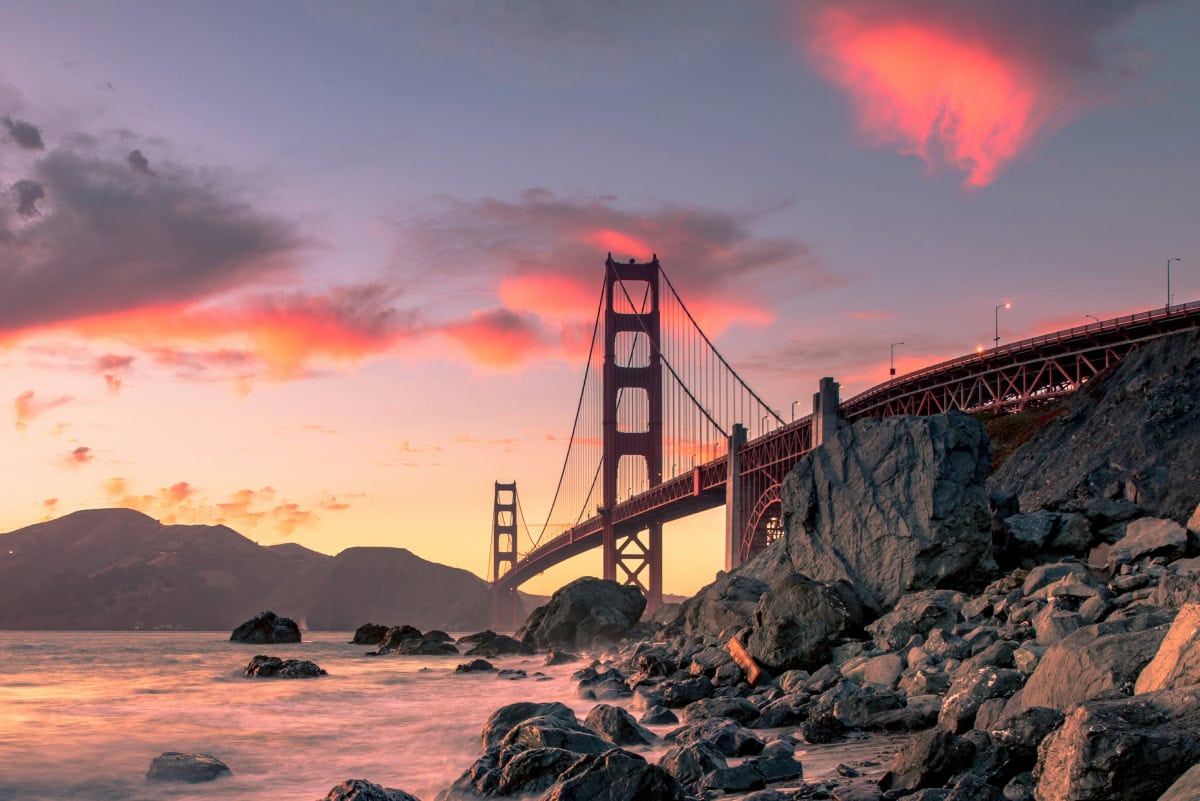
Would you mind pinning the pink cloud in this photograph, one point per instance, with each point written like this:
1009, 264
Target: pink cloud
27, 407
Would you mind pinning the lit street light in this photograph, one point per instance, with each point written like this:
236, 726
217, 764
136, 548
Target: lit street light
893, 363
998, 308
1169, 281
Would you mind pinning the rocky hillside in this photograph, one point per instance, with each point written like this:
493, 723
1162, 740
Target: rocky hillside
119, 569
1131, 437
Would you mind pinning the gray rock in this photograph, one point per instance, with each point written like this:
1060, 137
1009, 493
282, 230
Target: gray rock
615, 776
394, 636
1177, 661
892, 506
738, 709
682, 692
369, 634
1099, 660
362, 790
731, 780
584, 611
1149, 537
1031, 531
274, 667
1185, 788
722, 608
725, 736
795, 624
970, 787
692, 762
883, 670
489, 643
969, 692
424, 646
617, 725
658, 716
919, 712
173, 766
1127, 749
1022, 733
1044, 575
475, 666
551, 731
533, 771
924, 682
917, 613
502, 721
927, 759
266, 627
1053, 623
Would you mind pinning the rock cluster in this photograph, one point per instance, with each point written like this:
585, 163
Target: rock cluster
273, 667
406, 640
266, 628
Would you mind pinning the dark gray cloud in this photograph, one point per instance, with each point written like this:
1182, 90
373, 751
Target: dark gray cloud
25, 134
114, 242
139, 162
28, 193
703, 250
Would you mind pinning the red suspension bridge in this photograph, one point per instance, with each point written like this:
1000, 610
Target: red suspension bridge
659, 429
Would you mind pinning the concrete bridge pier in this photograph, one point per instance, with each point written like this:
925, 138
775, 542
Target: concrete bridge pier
827, 417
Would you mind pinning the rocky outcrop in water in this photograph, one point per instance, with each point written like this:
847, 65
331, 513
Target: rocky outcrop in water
272, 667
362, 790
583, 612
266, 627
174, 766
369, 634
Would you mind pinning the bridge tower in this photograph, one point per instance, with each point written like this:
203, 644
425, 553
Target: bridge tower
632, 556
506, 606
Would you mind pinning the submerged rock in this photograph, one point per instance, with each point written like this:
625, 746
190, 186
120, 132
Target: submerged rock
362, 790
489, 643
266, 627
174, 766
265, 667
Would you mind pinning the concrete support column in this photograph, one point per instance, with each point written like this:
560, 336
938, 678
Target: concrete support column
734, 514
826, 411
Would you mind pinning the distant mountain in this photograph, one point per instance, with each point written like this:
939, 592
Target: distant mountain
119, 569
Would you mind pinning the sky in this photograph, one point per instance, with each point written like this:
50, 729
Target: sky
323, 272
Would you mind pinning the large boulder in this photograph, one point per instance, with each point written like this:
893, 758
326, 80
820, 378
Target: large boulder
502, 721
1177, 663
1185, 788
369, 634
615, 775
892, 506
551, 731
1127, 749
1131, 436
362, 790
489, 643
616, 724
796, 623
266, 627
722, 608
1101, 660
583, 611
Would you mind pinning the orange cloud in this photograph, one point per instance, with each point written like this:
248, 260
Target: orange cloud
498, 338
243, 509
552, 295
927, 91
27, 407
619, 244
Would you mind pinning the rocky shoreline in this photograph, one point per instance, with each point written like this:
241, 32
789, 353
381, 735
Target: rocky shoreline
1028, 634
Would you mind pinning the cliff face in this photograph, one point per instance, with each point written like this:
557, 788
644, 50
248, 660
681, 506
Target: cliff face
1131, 436
117, 569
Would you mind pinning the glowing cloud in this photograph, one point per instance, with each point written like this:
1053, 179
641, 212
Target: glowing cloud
930, 94
80, 456
27, 406
968, 85
498, 338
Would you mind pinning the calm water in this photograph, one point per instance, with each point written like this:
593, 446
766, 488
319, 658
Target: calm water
83, 713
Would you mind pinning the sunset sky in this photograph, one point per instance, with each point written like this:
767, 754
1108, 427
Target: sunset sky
324, 271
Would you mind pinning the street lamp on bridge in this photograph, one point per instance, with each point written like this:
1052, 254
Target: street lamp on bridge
794, 410
893, 362
998, 308
1169, 282
1094, 317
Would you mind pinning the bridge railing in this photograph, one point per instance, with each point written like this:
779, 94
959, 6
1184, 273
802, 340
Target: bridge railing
1155, 315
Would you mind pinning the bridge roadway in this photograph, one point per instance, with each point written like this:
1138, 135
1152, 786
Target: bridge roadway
1010, 376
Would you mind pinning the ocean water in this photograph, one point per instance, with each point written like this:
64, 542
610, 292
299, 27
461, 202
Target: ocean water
83, 713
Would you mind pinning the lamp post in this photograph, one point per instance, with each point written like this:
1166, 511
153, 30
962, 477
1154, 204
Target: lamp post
998, 308
794, 410
1094, 317
1169, 282
762, 424
893, 361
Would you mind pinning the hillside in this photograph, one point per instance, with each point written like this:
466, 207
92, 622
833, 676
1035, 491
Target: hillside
119, 569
